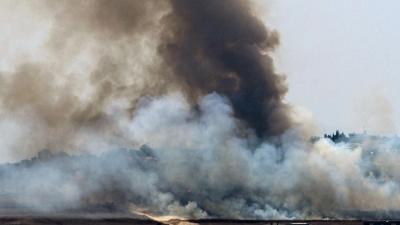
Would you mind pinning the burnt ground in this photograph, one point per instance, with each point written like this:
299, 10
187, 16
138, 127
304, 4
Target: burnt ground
122, 221
102, 216
76, 221
272, 222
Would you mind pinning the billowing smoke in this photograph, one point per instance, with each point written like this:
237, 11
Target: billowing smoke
168, 108
218, 46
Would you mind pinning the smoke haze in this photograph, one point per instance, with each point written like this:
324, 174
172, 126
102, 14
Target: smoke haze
186, 94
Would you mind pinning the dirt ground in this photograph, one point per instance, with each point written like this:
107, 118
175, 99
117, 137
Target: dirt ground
72, 221
123, 221
265, 222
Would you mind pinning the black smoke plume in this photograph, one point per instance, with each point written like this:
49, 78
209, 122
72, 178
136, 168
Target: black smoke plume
220, 46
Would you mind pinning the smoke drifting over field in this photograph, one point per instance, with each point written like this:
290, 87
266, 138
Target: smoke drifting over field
191, 79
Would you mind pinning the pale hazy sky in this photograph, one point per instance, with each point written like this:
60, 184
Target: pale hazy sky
342, 61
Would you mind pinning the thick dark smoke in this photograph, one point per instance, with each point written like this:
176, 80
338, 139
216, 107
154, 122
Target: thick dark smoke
203, 46
220, 46
98, 54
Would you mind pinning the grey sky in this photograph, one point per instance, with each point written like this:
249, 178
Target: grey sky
341, 59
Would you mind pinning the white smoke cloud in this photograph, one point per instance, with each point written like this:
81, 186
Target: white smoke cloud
203, 166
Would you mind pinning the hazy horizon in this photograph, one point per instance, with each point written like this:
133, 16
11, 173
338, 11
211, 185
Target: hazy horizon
341, 60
